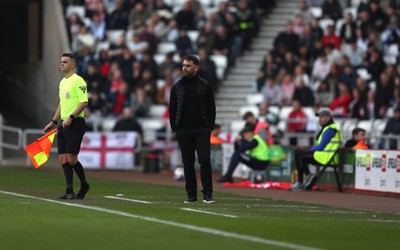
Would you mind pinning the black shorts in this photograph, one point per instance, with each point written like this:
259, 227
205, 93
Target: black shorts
69, 139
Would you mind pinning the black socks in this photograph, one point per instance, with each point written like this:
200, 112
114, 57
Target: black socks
68, 173
80, 173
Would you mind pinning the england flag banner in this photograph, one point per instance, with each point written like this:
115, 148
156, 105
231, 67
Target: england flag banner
112, 150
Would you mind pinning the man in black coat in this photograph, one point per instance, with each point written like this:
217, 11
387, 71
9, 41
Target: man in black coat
192, 117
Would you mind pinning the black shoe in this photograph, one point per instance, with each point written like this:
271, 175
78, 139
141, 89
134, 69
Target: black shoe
208, 199
225, 179
67, 196
190, 200
82, 192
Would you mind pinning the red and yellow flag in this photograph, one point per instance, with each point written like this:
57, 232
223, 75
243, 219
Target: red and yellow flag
39, 150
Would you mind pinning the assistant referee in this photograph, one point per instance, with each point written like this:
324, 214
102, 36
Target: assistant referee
73, 100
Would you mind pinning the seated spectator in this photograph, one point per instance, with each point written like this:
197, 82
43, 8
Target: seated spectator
324, 94
375, 64
222, 43
348, 29
207, 69
149, 85
321, 69
303, 94
167, 65
157, 26
358, 140
96, 105
98, 27
304, 11
332, 9
206, 37
289, 62
297, 121
84, 38
348, 76
270, 91
331, 38
183, 43
118, 100
266, 115
141, 103
127, 122
261, 128
298, 26
125, 60
383, 95
233, 30
137, 46
354, 53
287, 39
286, 90
185, 17
164, 92
149, 37
119, 17
92, 77
377, 15
251, 150
340, 105
138, 15
334, 55
269, 66
247, 22
358, 106
73, 27
392, 128
116, 80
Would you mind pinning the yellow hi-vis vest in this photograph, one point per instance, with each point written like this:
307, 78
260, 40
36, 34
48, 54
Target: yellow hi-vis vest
326, 154
261, 151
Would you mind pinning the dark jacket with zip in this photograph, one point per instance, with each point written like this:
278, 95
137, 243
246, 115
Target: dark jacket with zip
192, 104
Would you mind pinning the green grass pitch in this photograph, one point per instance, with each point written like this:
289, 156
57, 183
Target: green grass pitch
154, 217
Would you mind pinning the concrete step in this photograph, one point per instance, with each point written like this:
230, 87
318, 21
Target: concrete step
275, 22
279, 16
244, 70
237, 77
228, 116
261, 46
231, 96
236, 84
280, 10
254, 56
226, 102
228, 109
259, 40
266, 34
234, 89
248, 64
271, 27
288, 5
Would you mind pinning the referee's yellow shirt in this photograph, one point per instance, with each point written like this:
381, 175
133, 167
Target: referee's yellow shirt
72, 91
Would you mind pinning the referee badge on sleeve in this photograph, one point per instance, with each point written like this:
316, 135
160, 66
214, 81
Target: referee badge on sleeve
67, 95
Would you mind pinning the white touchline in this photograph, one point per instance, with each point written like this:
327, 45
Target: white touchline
175, 224
126, 199
207, 212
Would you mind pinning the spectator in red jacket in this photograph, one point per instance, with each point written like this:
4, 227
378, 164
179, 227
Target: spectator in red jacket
297, 121
340, 105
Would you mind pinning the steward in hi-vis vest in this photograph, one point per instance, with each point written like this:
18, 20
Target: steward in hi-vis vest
251, 151
329, 140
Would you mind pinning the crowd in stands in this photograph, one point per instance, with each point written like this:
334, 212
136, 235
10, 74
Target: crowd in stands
121, 70
345, 59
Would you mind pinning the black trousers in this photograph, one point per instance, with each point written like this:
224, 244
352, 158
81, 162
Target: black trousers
191, 141
246, 159
302, 158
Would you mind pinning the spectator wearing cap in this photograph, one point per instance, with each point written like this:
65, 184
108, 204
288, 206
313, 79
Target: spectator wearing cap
329, 140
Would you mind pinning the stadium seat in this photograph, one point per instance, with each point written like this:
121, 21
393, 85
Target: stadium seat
157, 110
160, 83
80, 10
102, 46
251, 108
114, 35
150, 127
365, 124
159, 58
352, 10
363, 73
108, 124
206, 3
193, 35
309, 111
316, 12
222, 63
324, 23
165, 47
338, 26
274, 109
254, 99
236, 125
391, 54
284, 112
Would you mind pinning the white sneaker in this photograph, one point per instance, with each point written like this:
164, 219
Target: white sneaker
297, 186
309, 179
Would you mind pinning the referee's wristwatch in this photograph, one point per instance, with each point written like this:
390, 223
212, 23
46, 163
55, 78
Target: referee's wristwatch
72, 116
